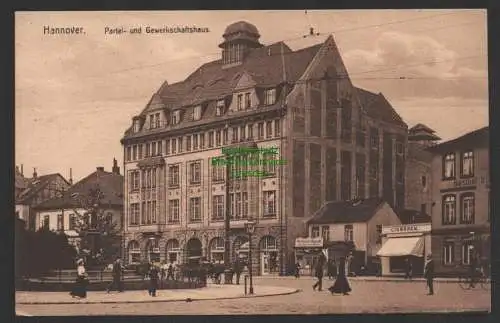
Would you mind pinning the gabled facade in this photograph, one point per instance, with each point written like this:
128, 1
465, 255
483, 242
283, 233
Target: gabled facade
461, 199
338, 141
60, 213
34, 191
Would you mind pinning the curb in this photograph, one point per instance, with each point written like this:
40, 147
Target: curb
292, 291
367, 279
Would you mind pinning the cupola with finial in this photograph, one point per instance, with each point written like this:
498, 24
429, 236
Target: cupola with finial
239, 38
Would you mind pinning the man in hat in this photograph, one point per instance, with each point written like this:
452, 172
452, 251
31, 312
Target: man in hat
429, 274
117, 277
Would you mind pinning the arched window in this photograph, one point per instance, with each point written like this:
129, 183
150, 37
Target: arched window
134, 252
173, 250
217, 249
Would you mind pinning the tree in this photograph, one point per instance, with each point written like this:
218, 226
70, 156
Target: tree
100, 237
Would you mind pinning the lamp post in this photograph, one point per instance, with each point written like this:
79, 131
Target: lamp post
250, 229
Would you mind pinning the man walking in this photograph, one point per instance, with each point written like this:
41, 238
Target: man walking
429, 274
116, 284
319, 272
237, 270
170, 271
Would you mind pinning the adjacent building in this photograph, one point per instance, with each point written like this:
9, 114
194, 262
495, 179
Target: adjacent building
357, 222
30, 192
461, 195
340, 142
62, 213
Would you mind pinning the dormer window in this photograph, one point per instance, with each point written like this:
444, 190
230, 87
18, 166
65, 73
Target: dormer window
270, 96
176, 117
248, 101
240, 102
219, 109
157, 120
154, 121
197, 113
137, 125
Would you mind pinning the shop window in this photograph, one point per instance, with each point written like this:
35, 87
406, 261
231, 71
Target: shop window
348, 232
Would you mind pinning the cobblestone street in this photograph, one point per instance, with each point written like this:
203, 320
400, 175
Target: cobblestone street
367, 297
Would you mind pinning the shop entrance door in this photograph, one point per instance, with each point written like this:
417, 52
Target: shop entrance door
264, 264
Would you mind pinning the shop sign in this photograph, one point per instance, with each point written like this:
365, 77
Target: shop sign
408, 228
465, 182
309, 242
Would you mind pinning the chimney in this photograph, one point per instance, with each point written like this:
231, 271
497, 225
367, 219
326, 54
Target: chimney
22, 172
35, 175
71, 176
100, 169
116, 169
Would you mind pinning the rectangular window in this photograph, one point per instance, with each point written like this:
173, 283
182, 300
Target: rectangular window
315, 232
248, 101
195, 209
467, 164
449, 166
237, 213
448, 253
141, 149
240, 102
399, 148
188, 143
174, 146
134, 214
160, 148
179, 144
269, 129
243, 132
210, 139
250, 131
195, 142
129, 153
134, 154
167, 147
153, 212
173, 175
176, 117
153, 148
269, 167
277, 128
467, 252
423, 208
374, 138
270, 96
225, 136
202, 141
218, 138
151, 122
45, 222
244, 205
449, 209
325, 233
269, 203
234, 132
72, 222
134, 180
157, 120
424, 181
153, 177
467, 216
60, 222
218, 173
148, 150
195, 173
260, 130
218, 207
379, 234
197, 113
173, 211
348, 232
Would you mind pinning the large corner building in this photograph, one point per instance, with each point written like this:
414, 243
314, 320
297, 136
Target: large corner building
339, 142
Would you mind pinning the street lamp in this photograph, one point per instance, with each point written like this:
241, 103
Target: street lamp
250, 229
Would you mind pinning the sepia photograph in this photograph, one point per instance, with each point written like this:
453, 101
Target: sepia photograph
251, 162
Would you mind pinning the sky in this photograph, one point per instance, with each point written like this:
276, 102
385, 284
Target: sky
75, 95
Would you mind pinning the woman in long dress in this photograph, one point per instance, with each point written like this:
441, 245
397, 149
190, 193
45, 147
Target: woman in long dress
80, 289
341, 285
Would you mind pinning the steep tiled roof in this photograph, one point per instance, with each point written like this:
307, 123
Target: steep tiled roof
110, 184
477, 138
34, 185
346, 211
377, 107
421, 126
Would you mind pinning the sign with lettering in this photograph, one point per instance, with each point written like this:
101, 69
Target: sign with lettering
407, 228
465, 182
309, 242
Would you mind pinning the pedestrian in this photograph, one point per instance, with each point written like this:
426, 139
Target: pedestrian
341, 285
429, 274
408, 268
238, 268
153, 279
80, 287
163, 271
297, 270
319, 272
116, 283
170, 271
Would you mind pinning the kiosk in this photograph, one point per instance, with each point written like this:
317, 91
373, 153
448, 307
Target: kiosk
403, 244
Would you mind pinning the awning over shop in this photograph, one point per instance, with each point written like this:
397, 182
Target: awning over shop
404, 246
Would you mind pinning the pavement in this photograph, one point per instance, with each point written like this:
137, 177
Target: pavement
368, 278
212, 292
